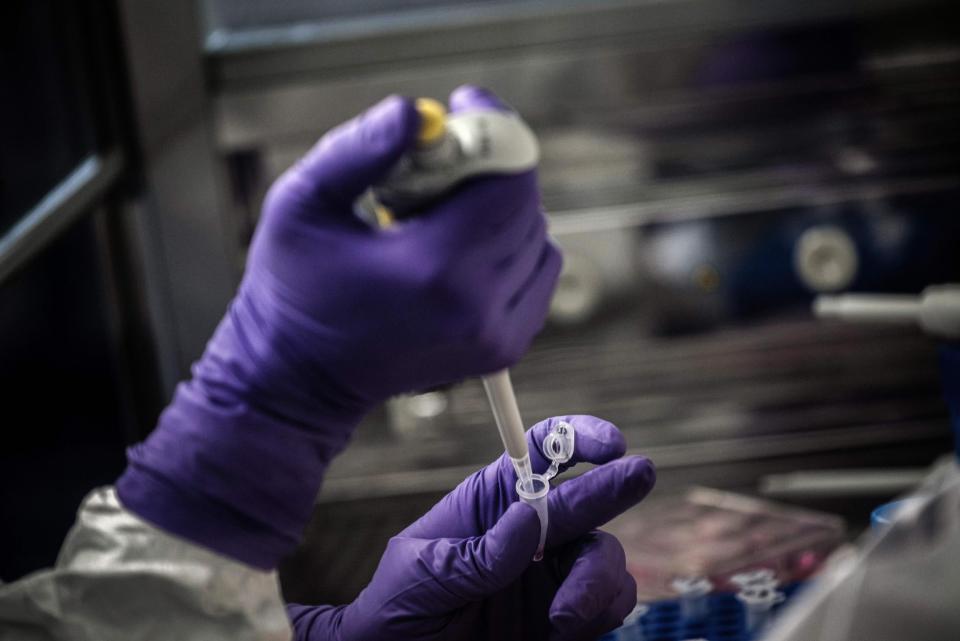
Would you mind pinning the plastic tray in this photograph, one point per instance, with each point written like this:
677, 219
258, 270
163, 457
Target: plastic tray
717, 534
726, 621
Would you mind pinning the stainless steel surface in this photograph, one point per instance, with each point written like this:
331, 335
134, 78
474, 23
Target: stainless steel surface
308, 45
192, 253
636, 130
75, 196
841, 483
633, 129
761, 391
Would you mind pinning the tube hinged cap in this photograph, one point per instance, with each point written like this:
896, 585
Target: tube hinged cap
558, 446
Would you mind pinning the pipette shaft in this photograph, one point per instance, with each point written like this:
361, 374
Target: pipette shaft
503, 402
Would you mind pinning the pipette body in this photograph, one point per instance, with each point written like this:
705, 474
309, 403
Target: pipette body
451, 149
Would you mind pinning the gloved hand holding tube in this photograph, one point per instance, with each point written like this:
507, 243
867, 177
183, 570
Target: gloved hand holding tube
463, 570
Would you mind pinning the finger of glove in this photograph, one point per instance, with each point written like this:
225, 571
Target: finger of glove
588, 501
591, 592
513, 241
525, 317
521, 258
499, 255
311, 621
595, 441
482, 497
357, 154
531, 298
611, 618
471, 569
466, 97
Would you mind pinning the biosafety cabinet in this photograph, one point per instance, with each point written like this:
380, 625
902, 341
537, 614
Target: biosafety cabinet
708, 167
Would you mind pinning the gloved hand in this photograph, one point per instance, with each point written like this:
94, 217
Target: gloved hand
331, 318
464, 569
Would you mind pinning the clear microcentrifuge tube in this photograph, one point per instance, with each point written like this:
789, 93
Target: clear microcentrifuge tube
758, 601
533, 489
693, 592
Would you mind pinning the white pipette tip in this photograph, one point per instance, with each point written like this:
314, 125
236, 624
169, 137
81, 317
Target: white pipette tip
506, 414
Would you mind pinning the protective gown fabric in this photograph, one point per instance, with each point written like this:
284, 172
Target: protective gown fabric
332, 317
118, 578
463, 571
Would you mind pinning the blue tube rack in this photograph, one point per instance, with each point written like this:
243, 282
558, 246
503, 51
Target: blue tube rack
725, 621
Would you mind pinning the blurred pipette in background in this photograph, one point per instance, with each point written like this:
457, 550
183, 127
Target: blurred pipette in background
936, 310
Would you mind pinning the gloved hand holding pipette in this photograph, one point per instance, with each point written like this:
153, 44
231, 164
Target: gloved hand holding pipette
463, 570
333, 316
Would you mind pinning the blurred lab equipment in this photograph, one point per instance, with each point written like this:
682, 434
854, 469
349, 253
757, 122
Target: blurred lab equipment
693, 593
760, 576
702, 176
887, 513
78, 375
936, 310
688, 150
706, 540
726, 619
758, 602
902, 579
901, 582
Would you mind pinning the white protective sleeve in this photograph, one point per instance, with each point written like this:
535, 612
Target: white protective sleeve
120, 578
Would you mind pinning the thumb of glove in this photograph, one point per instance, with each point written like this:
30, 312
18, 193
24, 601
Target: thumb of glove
357, 154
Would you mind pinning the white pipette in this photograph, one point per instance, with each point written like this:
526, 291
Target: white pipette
451, 149
503, 402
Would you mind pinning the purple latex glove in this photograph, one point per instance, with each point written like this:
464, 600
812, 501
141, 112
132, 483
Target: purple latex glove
331, 318
464, 569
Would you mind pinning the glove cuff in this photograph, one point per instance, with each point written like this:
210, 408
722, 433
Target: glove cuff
199, 519
232, 466
315, 622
